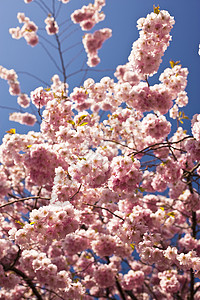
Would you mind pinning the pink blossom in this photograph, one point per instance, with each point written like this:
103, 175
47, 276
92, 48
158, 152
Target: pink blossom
175, 79
31, 38
196, 127
37, 164
182, 99
75, 243
169, 282
156, 127
154, 38
93, 42
104, 276
23, 118
64, 1
40, 97
132, 279
125, 174
28, 30
23, 100
89, 15
52, 26
100, 202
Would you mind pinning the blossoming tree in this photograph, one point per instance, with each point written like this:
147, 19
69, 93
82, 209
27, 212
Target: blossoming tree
94, 208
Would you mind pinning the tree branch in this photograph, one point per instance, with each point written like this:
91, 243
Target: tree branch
26, 279
23, 199
76, 192
61, 58
104, 209
120, 289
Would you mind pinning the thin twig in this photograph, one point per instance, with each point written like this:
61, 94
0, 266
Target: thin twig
130, 294
61, 58
51, 57
72, 46
42, 8
62, 23
33, 76
123, 297
76, 192
51, 291
118, 143
58, 11
47, 41
7, 107
71, 61
49, 11
25, 278
70, 33
171, 150
159, 144
96, 206
53, 7
146, 79
23, 199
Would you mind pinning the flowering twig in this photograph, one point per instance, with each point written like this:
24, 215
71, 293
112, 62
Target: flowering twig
96, 206
23, 199
76, 192
25, 278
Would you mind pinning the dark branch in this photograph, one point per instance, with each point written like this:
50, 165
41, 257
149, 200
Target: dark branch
23, 199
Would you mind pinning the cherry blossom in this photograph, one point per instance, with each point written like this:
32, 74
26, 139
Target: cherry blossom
102, 202
28, 30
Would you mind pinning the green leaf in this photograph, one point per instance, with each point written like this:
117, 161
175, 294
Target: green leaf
47, 89
164, 163
81, 118
171, 214
71, 122
11, 131
20, 223
156, 9
174, 63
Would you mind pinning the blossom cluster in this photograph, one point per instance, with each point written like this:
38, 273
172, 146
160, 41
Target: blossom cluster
93, 42
196, 127
12, 78
52, 26
89, 16
125, 174
28, 30
23, 118
40, 97
102, 209
147, 51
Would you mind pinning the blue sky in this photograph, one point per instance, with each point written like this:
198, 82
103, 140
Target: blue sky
121, 17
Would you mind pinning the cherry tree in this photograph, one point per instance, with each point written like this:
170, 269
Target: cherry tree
96, 207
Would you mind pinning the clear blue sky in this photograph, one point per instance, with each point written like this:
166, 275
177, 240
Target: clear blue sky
121, 17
